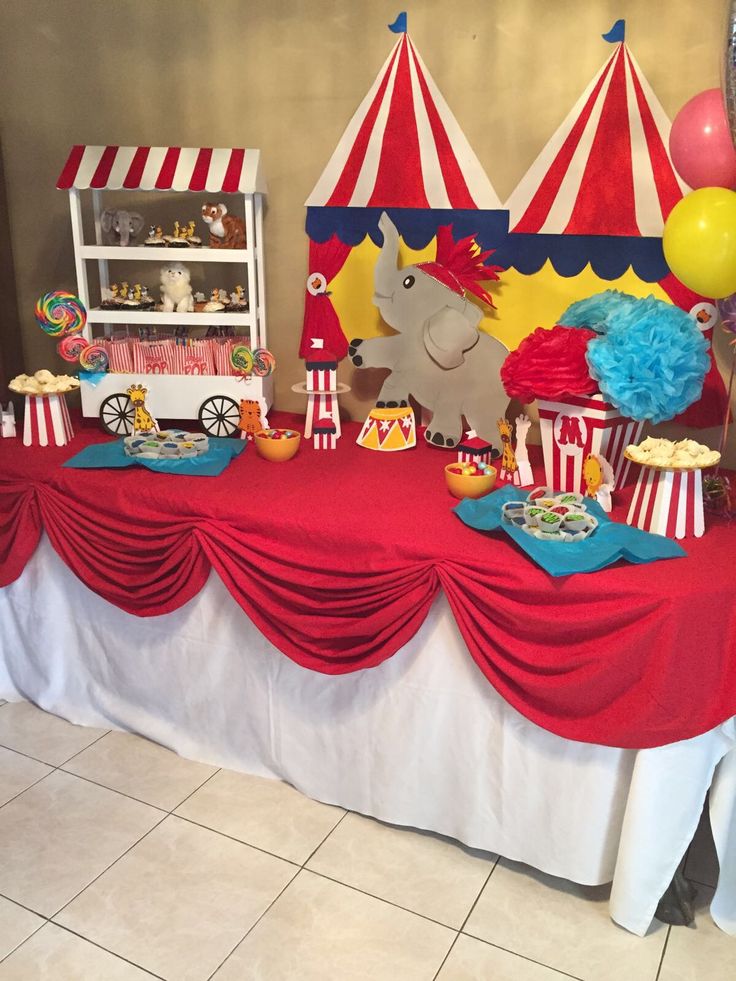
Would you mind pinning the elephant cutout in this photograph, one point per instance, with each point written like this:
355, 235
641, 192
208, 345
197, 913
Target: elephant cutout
438, 355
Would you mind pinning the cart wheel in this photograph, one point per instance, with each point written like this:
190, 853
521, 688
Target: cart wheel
117, 415
219, 415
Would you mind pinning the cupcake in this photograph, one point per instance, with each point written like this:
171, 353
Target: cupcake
147, 301
512, 510
179, 239
215, 304
538, 493
194, 240
132, 301
533, 515
238, 301
571, 498
155, 238
111, 298
200, 442
550, 523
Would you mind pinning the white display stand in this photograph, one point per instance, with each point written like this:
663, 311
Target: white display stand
211, 174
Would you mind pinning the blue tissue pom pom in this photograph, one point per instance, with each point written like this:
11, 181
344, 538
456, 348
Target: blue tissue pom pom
594, 311
650, 360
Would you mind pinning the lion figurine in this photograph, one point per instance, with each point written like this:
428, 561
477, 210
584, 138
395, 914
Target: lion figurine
176, 288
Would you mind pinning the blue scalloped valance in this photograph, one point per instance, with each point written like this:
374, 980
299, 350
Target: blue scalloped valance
610, 256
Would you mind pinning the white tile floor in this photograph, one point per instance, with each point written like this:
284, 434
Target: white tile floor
121, 861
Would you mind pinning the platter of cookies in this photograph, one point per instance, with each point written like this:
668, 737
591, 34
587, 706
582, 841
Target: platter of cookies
664, 454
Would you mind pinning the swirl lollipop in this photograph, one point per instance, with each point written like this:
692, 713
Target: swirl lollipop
71, 346
94, 358
241, 358
263, 362
60, 313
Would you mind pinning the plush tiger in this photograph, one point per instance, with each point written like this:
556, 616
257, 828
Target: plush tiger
226, 231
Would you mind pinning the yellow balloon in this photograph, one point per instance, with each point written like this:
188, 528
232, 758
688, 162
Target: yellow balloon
699, 241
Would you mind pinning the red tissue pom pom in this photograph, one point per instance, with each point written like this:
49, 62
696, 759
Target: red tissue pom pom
549, 364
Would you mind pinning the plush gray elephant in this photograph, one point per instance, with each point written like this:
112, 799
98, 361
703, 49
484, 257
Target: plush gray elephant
119, 227
438, 355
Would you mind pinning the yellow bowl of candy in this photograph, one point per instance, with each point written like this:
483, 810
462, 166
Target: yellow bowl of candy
469, 480
277, 445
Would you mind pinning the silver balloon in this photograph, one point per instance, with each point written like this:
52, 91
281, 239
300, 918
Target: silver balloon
729, 70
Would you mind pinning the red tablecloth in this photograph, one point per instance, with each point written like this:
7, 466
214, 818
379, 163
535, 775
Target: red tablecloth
337, 556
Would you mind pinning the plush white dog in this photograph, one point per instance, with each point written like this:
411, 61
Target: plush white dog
176, 288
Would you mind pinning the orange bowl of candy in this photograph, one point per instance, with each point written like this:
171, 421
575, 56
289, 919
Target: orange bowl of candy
470, 479
277, 445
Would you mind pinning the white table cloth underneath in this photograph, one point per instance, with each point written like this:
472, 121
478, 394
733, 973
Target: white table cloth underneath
421, 740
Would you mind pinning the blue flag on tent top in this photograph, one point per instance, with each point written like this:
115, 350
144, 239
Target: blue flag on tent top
616, 33
399, 25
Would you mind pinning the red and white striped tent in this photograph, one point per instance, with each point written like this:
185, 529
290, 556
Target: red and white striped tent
402, 151
163, 168
607, 170
403, 148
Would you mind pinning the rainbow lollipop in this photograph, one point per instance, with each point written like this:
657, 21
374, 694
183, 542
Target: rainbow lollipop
94, 358
60, 313
70, 347
263, 362
241, 358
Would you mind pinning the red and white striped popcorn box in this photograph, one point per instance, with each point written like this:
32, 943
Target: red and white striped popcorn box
153, 358
577, 426
46, 421
119, 352
221, 348
194, 357
668, 502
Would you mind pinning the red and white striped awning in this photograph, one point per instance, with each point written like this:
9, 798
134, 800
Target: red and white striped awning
163, 168
403, 148
606, 171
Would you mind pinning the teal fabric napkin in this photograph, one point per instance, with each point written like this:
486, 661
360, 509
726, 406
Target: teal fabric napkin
610, 541
103, 456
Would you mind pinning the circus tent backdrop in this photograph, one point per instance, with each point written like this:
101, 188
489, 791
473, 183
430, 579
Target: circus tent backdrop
589, 213
587, 216
403, 152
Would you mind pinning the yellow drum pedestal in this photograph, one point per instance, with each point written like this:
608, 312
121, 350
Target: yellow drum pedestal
389, 430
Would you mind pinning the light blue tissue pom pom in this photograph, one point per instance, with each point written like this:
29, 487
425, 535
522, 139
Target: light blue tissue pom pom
594, 311
650, 360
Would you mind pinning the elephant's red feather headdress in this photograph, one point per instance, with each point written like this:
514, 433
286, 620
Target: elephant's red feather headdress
460, 266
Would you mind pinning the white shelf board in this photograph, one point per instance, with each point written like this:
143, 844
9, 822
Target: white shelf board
152, 317
158, 254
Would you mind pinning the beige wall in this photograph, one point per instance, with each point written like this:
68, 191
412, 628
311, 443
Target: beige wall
286, 76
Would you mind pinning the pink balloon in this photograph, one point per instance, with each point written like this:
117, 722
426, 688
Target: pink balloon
700, 142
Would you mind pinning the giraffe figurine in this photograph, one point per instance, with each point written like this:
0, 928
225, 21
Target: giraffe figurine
143, 422
526, 477
509, 467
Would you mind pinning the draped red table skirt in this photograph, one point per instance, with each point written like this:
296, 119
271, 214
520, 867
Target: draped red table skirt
337, 556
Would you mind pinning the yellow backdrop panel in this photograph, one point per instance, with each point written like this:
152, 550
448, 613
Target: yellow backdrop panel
523, 303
